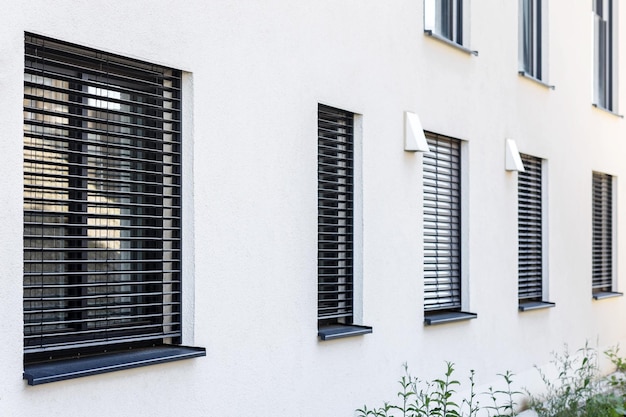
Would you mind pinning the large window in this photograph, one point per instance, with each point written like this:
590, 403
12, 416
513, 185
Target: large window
603, 54
336, 234
444, 18
531, 32
531, 235
602, 255
442, 231
102, 202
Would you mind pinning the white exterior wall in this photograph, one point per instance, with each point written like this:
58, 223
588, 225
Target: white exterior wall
256, 72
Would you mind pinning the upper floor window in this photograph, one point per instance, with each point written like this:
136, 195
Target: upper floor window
531, 38
604, 65
445, 19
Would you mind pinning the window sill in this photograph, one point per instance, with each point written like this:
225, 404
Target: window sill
451, 43
604, 109
535, 305
526, 75
606, 294
44, 372
448, 317
341, 331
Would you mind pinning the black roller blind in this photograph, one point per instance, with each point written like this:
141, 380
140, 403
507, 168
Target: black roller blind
102, 199
602, 272
530, 249
335, 215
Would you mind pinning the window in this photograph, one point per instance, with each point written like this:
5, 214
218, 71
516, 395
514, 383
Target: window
447, 21
442, 230
445, 18
531, 235
603, 54
336, 234
602, 258
102, 204
531, 36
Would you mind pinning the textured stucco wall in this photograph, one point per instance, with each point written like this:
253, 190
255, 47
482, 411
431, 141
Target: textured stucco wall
256, 72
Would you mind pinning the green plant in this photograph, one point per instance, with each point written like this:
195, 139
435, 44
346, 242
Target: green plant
604, 405
441, 396
407, 394
618, 361
617, 381
573, 387
575, 391
472, 403
497, 407
436, 398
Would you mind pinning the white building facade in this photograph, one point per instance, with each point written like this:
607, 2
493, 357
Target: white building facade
296, 198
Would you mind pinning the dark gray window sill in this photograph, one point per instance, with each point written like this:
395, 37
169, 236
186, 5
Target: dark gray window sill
340, 331
52, 371
604, 109
526, 75
606, 294
451, 43
535, 305
447, 317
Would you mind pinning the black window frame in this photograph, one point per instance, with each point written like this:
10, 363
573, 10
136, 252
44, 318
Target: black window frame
442, 194
336, 234
102, 212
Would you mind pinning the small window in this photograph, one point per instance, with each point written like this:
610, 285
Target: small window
602, 258
336, 235
442, 224
604, 65
531, 235
444, 18
531, 38
442, 231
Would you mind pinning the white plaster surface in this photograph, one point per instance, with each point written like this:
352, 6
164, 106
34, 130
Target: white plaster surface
259, 70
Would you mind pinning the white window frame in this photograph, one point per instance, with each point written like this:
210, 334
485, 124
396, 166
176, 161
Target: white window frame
448, 21
533, 39
605, 68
